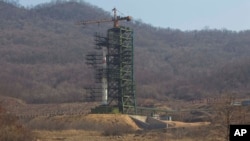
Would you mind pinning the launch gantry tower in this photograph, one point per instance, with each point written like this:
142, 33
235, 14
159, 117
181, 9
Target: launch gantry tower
114, 66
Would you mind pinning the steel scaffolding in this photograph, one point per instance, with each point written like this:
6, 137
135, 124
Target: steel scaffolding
118, 69
95, 60
120, 73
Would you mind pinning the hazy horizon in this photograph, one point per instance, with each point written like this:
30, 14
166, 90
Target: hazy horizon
177, 14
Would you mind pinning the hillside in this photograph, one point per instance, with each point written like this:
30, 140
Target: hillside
42, 56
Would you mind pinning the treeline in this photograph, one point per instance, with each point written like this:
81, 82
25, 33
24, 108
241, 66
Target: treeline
42, 56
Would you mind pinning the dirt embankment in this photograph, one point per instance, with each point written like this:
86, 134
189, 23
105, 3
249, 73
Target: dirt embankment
91, 122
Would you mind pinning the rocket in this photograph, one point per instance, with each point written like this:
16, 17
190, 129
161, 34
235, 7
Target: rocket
104, 78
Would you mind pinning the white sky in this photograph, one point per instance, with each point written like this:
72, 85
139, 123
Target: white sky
180, 14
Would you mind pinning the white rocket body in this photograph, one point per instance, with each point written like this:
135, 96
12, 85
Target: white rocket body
104, 79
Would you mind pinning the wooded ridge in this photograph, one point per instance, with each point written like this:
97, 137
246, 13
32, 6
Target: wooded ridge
42, 56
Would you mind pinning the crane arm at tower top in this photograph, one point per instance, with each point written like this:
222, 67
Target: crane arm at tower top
115, 19
128, 18
92, 22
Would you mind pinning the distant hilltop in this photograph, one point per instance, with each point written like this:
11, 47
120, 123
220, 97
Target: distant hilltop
42, 55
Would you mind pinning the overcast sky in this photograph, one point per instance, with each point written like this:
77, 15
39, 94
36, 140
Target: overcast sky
179, 14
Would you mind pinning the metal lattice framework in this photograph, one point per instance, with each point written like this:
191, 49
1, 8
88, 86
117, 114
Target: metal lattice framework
120, 74
95, 60
118, 71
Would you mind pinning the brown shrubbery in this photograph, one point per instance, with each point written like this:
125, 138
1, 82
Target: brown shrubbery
11, 130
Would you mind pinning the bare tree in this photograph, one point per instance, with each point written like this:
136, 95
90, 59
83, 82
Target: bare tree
225, 114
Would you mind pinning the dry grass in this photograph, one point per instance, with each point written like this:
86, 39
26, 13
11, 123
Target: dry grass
69, 135
179, 124
100, 127
20, 108
83, 135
